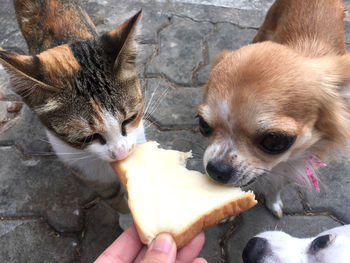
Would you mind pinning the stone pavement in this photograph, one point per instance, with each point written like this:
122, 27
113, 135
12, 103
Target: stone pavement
47, 215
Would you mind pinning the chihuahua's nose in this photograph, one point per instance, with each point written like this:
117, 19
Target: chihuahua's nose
220, 171
254, 250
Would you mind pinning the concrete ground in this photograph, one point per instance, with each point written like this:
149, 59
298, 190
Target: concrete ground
47, 215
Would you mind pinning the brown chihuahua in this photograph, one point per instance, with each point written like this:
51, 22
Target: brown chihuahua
279, 106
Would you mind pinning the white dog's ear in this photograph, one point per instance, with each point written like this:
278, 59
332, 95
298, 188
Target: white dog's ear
320, 243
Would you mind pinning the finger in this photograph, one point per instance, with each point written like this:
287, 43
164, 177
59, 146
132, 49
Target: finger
124, 249
191, 250
141, 255
161, 250
199, 260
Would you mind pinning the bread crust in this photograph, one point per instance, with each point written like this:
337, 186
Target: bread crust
234, 207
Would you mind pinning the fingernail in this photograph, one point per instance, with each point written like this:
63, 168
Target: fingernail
163, 243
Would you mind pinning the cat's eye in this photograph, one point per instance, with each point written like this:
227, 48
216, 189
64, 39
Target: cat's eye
320, 242
126, 122
204, 127
93, 137
275, 142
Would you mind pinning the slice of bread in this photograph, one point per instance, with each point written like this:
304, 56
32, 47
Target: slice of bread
164, 196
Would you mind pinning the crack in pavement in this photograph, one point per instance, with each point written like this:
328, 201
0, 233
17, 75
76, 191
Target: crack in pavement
157, 44
12, 143
215, 23
160, 128
233, 227
308, 210
17, 217
318, 213
306, 205
205, 56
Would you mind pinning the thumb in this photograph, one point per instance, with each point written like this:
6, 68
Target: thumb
161, 250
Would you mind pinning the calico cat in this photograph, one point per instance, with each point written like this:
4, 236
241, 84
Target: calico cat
83, 87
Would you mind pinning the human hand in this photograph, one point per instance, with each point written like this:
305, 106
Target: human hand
128, 248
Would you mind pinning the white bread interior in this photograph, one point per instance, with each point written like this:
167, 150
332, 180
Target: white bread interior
164, 196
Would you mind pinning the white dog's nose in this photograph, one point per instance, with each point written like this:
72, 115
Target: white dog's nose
254, 250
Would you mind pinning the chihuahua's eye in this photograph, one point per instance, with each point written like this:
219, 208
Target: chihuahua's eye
204, 127
94, 137
275, 143
126, 122
320, 243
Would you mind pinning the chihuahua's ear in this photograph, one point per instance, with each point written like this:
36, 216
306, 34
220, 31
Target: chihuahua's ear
25, 77
333, 93
224, 54
342, 72
334, 73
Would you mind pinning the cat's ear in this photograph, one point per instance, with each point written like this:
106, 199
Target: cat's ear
119, 44
24, 74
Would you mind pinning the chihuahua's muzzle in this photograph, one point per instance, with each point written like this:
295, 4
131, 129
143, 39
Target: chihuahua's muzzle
220, 171
225, 173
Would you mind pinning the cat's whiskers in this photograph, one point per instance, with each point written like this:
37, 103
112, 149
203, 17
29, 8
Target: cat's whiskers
156, 104
79, 153
150, 123
148, 117
74, 160
52, 143
44, 141
84, 142
151, 99
25, 92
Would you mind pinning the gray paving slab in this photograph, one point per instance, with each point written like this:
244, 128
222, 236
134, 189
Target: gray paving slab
180, 50
146, 52
225, 36
11, 37
334, 191
106, 18
28, 134
162, 102
212, 250
238, 4
41, 187
101, 229
248, 18
4, 81
292, 200
8, 111
35, 241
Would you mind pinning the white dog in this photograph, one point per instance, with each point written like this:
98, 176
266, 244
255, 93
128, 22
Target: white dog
331, 246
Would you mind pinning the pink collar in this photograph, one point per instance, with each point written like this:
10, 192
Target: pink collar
313, 161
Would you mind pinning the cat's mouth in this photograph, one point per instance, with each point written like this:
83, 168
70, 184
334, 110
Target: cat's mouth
123, 155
